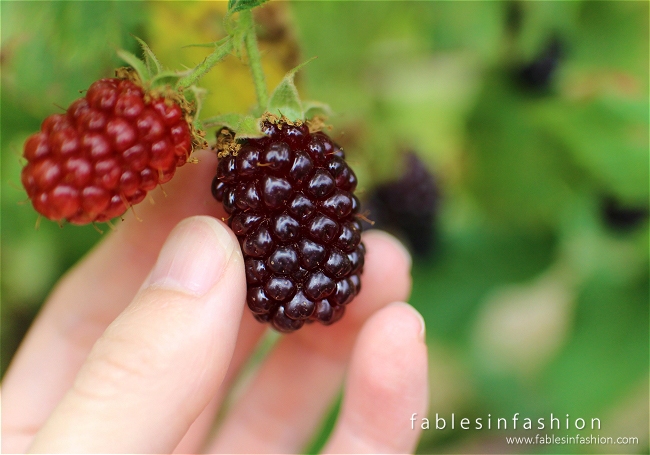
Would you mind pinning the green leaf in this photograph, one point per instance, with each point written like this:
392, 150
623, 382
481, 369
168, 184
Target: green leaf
137, 64
196, 95
541, 20
235, 6
608, 140
170, 78
314, 108
153, 65
591, 373
285, 99
449, 291
244, 126
521, 172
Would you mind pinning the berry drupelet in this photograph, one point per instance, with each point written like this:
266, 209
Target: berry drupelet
291, 204
105, 152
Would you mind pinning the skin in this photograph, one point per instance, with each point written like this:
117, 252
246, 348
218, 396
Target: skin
138, 345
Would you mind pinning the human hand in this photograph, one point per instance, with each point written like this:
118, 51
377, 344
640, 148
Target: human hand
115, 365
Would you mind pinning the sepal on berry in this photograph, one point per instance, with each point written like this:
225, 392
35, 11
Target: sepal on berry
314, 109
285, 100
135, 63
284, 106
159, 82
151, 61
246, 126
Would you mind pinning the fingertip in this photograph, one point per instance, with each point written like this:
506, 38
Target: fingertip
223, 234
387, 382
194, 256
187, 194
387, 263
388, 241
386, 275
408, 316
385, 278
394, 333
157, 366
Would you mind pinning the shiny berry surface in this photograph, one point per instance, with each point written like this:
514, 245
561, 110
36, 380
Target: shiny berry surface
105, 153
291, 204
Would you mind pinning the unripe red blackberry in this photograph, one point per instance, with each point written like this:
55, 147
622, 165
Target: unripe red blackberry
291, 204
106, 152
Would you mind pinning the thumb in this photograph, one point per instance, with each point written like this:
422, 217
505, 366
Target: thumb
160, 362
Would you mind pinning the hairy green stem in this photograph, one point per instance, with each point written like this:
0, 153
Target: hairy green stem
215, 57
254, 58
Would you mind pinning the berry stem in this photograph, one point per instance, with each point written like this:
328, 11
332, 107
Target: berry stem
200, 70
254, 58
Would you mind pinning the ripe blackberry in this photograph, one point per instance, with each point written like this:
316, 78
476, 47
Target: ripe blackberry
106, 152
408, 206
291, 204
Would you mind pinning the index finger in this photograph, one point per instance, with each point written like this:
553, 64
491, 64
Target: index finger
91, 296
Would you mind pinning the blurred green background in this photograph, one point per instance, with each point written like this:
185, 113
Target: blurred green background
536, 294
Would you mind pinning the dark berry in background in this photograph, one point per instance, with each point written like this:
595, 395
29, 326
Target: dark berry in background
291, 204
407, 206
620, 217
538, 74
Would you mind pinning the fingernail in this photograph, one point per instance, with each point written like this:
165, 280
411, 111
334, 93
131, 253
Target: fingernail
194, 256
416, 313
